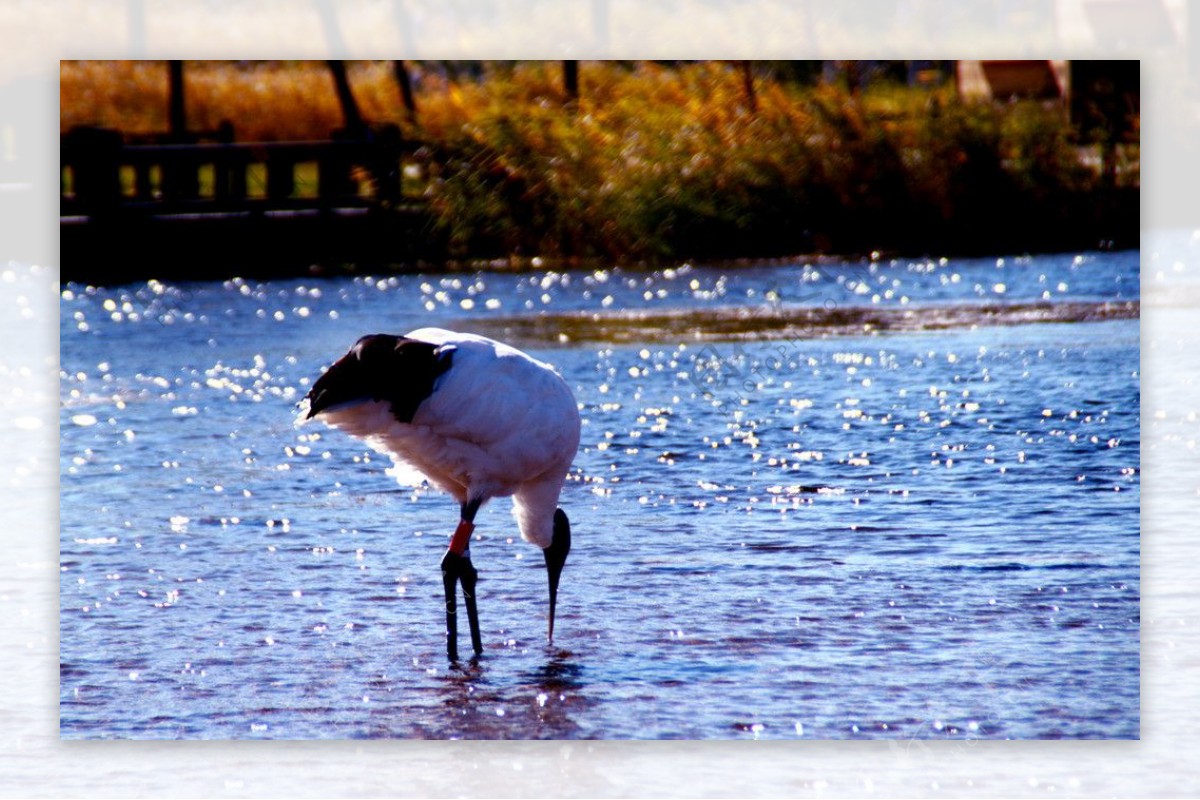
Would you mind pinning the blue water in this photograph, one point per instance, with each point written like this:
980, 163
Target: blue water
928, 534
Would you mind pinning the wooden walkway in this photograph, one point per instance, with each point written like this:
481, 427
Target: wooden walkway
211, 209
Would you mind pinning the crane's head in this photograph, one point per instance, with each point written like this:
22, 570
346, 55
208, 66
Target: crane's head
394, 369
556, 557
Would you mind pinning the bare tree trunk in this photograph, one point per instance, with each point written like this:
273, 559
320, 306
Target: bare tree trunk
853, 77
176, 110
178, 180
748, 85
350, 113
571, 81
404, 81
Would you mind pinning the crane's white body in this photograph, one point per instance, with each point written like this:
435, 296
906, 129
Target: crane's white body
497, 423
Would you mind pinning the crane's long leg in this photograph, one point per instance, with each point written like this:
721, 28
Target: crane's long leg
468, 588
456, 568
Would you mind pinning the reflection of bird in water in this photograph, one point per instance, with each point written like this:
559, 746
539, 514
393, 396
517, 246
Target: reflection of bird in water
558, 675
479, 419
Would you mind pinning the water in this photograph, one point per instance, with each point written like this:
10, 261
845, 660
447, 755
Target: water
810, 523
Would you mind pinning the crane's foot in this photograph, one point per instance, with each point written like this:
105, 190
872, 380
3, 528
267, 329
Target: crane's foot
459, 569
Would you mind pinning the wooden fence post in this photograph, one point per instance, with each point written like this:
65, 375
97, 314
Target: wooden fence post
281, 176
94, 157
386, 163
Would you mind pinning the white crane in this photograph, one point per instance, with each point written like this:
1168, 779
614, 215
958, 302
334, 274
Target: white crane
479, 419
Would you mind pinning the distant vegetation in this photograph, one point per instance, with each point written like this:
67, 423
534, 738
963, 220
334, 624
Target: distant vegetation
668, 162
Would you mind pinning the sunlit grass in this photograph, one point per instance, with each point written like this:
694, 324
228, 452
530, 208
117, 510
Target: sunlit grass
653, 162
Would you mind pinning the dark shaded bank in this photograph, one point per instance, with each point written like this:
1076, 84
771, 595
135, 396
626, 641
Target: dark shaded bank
135, 247
129, 248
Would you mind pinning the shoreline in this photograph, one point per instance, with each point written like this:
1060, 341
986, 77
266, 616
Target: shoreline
328, 246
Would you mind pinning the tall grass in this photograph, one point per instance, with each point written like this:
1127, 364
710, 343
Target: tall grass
266, 100
657, 162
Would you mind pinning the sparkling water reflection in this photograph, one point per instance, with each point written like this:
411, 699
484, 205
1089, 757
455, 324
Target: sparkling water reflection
918, 533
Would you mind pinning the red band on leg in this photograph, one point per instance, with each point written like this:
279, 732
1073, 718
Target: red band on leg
462, 537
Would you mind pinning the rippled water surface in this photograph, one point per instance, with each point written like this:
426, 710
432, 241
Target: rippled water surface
887, 500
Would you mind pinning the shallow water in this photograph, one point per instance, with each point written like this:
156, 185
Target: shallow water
817, 531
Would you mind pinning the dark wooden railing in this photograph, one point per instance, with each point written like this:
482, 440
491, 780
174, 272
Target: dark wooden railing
101, 174
202, 208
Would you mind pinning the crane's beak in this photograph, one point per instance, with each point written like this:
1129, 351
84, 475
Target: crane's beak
556, 557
